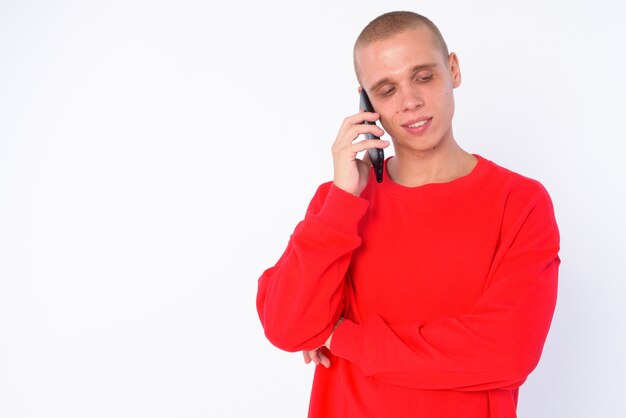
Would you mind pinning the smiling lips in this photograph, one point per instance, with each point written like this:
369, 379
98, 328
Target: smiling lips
417, 126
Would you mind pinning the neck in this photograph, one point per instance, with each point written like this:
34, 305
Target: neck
413, 168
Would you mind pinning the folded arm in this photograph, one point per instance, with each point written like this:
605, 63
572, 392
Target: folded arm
496, 343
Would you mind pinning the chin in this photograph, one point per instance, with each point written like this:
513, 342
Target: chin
416, 145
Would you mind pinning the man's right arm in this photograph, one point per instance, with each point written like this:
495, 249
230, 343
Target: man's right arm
300, 299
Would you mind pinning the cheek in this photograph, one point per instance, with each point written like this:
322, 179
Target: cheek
448, 100
388, 114
450, 97
386, 125
449, 109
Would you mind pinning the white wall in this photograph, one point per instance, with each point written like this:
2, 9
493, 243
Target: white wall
155, 156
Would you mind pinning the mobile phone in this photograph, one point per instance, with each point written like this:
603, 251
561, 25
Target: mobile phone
377, 155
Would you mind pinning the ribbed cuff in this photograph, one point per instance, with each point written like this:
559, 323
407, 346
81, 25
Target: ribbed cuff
342, 210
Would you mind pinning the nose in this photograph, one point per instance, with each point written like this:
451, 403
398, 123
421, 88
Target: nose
411, 99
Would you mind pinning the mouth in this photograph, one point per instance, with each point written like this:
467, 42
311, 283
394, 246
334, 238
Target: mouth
417, 125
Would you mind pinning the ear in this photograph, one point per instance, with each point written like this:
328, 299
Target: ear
360, 89
455, 69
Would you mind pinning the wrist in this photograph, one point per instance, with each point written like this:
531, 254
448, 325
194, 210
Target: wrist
338, 184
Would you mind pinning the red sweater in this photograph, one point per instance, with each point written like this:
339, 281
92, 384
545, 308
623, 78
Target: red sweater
448, 291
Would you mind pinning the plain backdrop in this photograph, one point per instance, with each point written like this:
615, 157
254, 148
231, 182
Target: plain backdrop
156, 155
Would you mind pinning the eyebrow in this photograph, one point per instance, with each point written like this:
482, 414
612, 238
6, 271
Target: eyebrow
414, 70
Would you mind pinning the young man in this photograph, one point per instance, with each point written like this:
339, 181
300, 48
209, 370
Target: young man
429, 294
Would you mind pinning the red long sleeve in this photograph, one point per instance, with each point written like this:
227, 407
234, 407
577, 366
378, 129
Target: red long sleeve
448, 292
300, 299
497, 342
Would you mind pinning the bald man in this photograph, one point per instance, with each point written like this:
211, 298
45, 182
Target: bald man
429, 294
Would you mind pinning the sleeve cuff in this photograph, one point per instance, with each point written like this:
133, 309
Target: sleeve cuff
346, 338
360, 344
342, 210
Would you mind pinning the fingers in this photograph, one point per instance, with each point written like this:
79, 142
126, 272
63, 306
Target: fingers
348, 173
349, 132
325, 361
361, 117
367, 144
311, 356
317, 357
354, 125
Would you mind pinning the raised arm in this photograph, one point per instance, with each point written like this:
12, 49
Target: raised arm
300, 299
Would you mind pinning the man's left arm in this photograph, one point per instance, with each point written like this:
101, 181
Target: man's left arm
496, 344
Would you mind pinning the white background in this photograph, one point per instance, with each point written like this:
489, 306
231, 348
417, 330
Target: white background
156, 155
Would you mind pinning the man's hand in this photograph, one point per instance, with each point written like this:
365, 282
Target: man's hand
317, 356
350, 173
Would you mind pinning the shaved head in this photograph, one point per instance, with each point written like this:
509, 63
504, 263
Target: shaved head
390, 24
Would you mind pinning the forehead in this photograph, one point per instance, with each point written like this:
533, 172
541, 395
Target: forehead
394, 56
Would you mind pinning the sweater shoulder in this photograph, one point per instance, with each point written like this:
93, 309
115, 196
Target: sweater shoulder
516, 184
524, 198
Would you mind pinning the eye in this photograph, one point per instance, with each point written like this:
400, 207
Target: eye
423, 78
387, 91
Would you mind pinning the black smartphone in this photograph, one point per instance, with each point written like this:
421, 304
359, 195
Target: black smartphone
377, 155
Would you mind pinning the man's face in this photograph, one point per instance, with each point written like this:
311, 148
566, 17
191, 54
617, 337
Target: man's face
410, 84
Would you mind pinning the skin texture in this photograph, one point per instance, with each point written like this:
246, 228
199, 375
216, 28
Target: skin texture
408, 79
